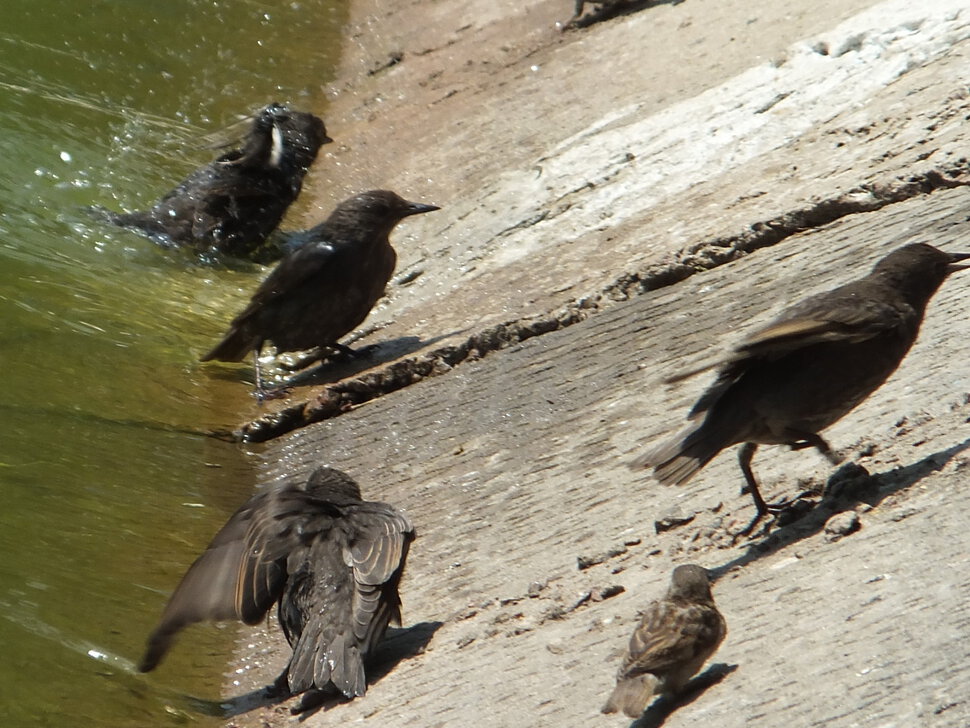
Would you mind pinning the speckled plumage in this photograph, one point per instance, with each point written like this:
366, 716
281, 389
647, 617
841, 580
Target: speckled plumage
331, 560
675, 637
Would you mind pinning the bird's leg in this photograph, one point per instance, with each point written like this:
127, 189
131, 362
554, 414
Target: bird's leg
745, 456
263, 392
744, 459
281, 685
260, 391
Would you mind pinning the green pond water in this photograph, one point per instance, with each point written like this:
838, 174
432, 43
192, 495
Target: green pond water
109, 486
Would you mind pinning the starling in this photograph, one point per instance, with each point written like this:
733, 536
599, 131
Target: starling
675, 637
331, 560
817, 361
230, 206
325, 287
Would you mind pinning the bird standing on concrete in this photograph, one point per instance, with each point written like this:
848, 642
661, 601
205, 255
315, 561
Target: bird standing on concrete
230, 206
325, 288
331, 560
817, 361
675, 637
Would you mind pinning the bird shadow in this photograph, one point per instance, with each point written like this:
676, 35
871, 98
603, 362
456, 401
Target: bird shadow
338, 368
664, 706
847, 487
389, 350
398, 645
609, 9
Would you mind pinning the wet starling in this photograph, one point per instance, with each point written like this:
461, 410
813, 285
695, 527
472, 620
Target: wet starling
675, 637
326, 286
331, 560
818, 360
230, 206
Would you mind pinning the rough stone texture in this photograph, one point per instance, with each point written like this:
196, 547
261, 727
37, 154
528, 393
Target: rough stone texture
513, 465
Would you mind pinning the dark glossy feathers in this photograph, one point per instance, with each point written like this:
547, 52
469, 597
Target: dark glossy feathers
331, 560
327, 286
230, 206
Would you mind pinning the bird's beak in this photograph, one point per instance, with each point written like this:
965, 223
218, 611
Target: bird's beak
956, 258
416, 208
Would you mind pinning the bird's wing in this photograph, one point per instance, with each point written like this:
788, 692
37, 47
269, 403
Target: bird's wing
306, 262
850, 314
854, 312
669, 634
349, 591
241, 573
380, 537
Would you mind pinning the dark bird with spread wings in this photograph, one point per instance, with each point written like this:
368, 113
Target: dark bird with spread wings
331, 560
675, 637
326, 286
817, 361
230, 206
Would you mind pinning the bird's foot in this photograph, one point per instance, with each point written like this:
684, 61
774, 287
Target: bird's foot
311, 699
345, 353
280, 688
782, 513
264, 394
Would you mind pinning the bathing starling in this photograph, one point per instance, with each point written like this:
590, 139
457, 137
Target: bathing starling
817, 361
331, 560
230, 206
326, 286
675, 637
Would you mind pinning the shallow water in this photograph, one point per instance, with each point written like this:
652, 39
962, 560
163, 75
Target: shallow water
110, 487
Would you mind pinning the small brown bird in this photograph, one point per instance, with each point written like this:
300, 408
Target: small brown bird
817, 361
230, 206
675, 637
326, 286
331, 560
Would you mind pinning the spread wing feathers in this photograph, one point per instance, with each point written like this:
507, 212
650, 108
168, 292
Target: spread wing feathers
230, 580
381, 539
243, 571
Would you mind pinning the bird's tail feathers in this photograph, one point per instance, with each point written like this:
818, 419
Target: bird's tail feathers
676, 461
346, 667
631, 695
322, 665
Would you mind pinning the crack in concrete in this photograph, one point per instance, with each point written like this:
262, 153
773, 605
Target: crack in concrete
342, 396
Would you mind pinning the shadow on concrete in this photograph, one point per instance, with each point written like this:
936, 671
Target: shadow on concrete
664, 706
331, 370
398, 645
847, 487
